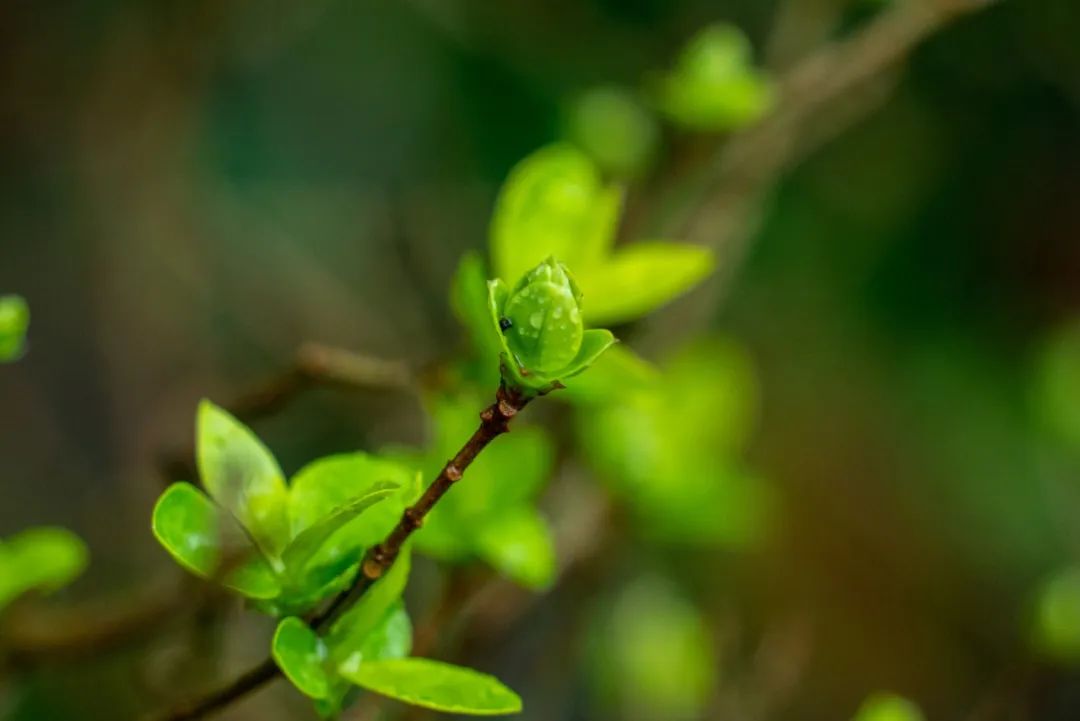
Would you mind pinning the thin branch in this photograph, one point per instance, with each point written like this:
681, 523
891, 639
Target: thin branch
822, 95
312, 365
494, 421
34, 634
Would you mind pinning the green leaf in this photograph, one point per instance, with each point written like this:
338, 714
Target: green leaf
888, 707
301, 655
436, 685
309, 559
519, 545
593, 343
323, 487
350, 632
612, 126
14, 321
553, 203
45, 559
640, 278
242, 475
201, 537
391, 638
714, 86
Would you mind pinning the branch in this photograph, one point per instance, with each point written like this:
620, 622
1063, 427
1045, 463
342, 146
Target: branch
719, 206
34, 634
312, 365
494, 421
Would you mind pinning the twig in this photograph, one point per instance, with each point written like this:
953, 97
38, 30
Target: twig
34, 635
719, 206
313, 365
494, 421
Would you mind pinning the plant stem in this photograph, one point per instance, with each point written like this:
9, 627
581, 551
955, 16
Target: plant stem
313, 365
494, 421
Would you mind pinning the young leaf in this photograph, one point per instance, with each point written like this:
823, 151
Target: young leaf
312, 558
553, 203
242, 475
593, 343
200, 537
436, 685
301, 655
39, 558
321, 488
612, 126
14, 320
714, 87
519, 545
391, 638
640, 278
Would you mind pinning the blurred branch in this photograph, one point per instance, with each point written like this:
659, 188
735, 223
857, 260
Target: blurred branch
313, 365
32, 635
819, 98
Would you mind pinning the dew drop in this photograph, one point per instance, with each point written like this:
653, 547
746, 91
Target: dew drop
536, 320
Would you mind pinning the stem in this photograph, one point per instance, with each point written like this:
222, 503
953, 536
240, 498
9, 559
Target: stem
313, 365
494, 421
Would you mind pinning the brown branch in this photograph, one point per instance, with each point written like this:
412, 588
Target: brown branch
494, 421
827, 92
32, 634
313, 365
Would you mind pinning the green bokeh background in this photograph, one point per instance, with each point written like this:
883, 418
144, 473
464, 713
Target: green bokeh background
190, 190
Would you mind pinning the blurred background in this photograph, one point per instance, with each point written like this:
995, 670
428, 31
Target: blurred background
191, 191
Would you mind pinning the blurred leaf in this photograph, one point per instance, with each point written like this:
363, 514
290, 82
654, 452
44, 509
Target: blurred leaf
44, 559
1056, 630
469, 299
242, 475
519, 545
14, 321
651, 657
713, 86
615, 129
552, 204
1057, 384
201, 537
669, 449
888, 707
301, 655
614, 374
640, 278
503, 479
437, 685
